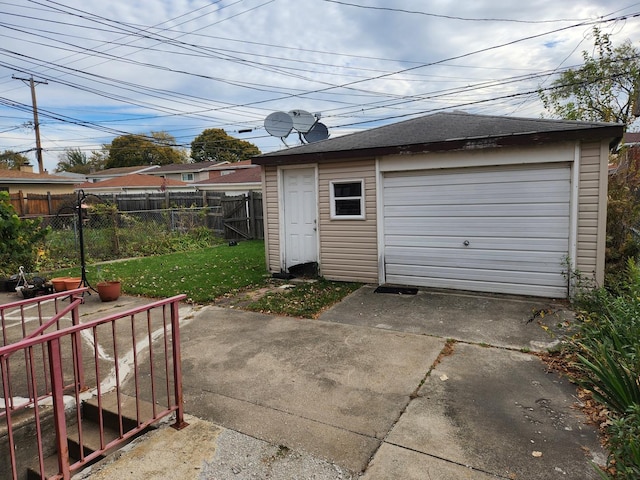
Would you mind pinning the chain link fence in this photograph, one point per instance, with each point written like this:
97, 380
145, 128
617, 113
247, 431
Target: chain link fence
110, 234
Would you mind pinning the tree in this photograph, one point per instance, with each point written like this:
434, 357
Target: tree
159, 148
10, 160
214, 144
623, 214
74, 160
604, 89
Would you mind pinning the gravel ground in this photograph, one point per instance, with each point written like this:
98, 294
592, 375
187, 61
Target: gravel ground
241, 457
204, 451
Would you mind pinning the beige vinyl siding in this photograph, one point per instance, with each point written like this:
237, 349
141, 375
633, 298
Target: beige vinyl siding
592, 211
348, 248
272, 219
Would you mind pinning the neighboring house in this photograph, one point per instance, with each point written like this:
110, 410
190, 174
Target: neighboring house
185, 172
25, 181
102, 175
631, 139
450, 200
227, 168
238, 182
627, 155
199, 172
135, 183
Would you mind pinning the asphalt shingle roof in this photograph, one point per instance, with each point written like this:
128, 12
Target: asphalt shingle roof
440, 129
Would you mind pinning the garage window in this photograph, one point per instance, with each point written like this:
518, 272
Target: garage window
347, 200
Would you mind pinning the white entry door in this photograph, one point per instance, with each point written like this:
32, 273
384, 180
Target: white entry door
300, 223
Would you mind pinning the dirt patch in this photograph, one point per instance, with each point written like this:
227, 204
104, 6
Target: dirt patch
242, 299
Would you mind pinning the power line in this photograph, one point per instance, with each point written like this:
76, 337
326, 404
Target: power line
452, 17
131, 93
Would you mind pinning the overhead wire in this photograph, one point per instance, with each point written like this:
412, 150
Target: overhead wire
451, 17
307, 94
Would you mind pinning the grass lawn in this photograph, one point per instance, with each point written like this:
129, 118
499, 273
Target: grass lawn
207, 274
203, 275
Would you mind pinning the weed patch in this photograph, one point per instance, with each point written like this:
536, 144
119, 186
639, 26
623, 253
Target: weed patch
305, 300
607, 360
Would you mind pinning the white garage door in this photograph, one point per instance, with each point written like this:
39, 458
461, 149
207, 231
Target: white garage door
493, 229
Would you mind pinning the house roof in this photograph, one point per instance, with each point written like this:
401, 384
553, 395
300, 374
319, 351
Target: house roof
112, 172
233, 165
199, 167
16, 176
252, 174
631, 138
132, 181
185, 167
441, 132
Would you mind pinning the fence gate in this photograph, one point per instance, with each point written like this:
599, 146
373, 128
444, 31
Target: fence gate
242, 216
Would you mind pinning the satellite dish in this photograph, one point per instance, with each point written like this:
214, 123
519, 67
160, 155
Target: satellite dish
318, 132
278, 124
302, 120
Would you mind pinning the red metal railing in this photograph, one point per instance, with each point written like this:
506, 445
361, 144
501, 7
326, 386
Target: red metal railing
126, 359
27, 318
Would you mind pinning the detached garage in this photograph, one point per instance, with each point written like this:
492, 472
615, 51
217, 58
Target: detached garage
451, 200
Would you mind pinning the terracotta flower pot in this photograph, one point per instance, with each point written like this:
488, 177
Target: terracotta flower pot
59, 284
109, 291
72, 283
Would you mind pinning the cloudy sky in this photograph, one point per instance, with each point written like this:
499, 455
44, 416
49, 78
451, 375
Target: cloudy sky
182, 66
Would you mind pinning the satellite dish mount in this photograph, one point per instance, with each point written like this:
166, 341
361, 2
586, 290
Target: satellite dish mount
308, 126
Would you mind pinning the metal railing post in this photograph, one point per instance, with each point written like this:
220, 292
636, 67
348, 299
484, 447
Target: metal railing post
77, 351
177, 367
4, 370
60, 421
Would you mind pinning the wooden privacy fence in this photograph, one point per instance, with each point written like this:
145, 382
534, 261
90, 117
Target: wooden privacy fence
241, 215
39, 204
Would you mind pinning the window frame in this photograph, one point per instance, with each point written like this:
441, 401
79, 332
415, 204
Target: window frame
333, 199
191, 174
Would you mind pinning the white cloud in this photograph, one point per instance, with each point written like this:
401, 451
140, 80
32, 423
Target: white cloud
183, 66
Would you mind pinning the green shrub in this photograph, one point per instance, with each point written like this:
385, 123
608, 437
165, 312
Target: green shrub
612, 376
608, 353
608, 346
624, 445
20, 239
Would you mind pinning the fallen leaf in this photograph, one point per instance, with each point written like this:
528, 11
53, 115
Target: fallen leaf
444, 377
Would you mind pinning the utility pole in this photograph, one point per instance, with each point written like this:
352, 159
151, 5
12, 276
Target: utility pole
36, 123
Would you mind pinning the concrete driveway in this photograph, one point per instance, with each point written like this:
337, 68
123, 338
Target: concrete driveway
436, 385
374, 387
